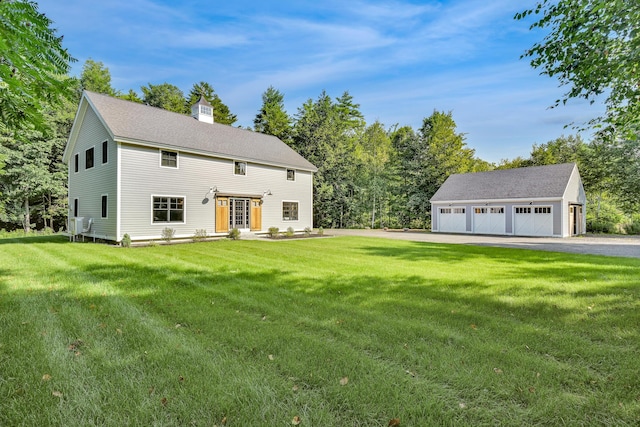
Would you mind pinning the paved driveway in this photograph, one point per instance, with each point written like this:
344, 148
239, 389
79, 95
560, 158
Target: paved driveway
623, 246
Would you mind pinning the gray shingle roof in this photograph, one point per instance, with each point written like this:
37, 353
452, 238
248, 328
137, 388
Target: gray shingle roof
133, 122
533, 182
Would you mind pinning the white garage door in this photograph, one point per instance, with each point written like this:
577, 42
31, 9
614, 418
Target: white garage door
533, 221
489, 220
452, 220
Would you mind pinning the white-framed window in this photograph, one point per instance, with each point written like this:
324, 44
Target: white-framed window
240, 168
76, 162
289, 211
291, 174
206, 110
445, 210
480, 210
459, 210
499, 210
168, 209
168, 159
104, 206
542, 210
76, 207
523, 210
89, 158
105, 152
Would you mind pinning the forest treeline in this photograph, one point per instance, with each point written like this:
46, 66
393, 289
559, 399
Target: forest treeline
369, 174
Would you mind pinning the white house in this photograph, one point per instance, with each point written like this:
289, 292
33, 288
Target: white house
136, 170
534, 201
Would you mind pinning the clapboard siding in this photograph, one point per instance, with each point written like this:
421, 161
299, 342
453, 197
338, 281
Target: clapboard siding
88, 185
142, 177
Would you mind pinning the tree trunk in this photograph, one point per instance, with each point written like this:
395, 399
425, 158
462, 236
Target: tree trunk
27, 217
373, 211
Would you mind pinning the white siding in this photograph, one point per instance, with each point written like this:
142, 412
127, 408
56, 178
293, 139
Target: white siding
89, 185
142, 177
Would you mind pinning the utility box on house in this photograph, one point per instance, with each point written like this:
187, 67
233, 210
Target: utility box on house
76, 225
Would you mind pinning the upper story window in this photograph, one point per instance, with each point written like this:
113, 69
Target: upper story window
105, 152
76, 161
291, 174
88, 158
239, 168
169, 159
206, 110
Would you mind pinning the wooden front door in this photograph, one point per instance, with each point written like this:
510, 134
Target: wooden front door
222, 214
256, 214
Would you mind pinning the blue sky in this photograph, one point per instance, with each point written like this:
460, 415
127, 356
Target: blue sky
400, 60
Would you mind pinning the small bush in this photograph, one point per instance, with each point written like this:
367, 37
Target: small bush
168, 234
320, 231
632, 228
307, 231
290, 232
126, 241
234, 234
273, 232
200, 235
152, 243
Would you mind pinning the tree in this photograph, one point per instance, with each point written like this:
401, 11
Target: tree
272, 118
131, 96
166, 96
32, 65
593, 47
221, 113
96, 78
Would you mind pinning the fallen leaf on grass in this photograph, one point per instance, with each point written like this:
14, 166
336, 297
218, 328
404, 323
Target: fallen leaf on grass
223, 421
271, 357
295, 388
344, 380
296, 420
473, 326
394, 422
497, 370
181, 378
57, 393
164, 401
46, 377
532, 389
119, 331
413, 374
462, 405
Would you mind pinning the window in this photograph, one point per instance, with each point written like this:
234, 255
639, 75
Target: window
76, 207
497, 210
104, 206
239, 168
206, 110
480, 210
543, 210
445, 210
458, 210
77, 162
289, 211
291, 175
105, 152
526, 210
169, 159
168, 209
88, 158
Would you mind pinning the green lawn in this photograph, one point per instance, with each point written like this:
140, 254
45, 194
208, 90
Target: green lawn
337, 331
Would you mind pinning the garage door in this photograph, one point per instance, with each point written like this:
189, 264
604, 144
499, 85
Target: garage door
533, 221
489, 220
452, 220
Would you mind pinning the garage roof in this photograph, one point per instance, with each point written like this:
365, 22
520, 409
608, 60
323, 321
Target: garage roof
548, 181
138, 123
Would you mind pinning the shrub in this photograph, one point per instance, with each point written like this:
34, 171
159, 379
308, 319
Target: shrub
320, 231
168, 234
234, 234
307, 231
200, 235
290, 232
273, 232
126, 241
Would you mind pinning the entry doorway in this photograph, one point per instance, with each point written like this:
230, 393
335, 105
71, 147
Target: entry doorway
575, 220
239, 213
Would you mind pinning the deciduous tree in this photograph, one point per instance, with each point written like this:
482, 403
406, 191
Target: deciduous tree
166, 96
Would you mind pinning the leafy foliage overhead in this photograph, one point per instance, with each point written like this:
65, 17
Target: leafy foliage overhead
33, 65
593, 47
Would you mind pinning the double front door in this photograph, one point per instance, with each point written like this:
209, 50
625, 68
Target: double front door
235, 212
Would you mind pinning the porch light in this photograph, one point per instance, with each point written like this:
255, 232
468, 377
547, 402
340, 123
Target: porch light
267, 193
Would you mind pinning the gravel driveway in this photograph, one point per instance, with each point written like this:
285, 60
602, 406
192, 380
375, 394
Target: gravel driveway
622, 246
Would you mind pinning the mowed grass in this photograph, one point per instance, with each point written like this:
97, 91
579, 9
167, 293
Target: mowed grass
337, 331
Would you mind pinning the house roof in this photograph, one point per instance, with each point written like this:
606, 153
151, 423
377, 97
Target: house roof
136, 123
534, 182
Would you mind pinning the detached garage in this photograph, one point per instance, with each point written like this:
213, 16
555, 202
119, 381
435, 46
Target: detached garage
534, 201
